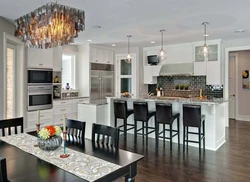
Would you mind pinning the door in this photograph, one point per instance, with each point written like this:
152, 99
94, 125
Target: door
107, 84
232, 77
95, 87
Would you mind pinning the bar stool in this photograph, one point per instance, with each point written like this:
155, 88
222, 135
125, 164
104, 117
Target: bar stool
121, 111
165, 116
142, 114
192, 118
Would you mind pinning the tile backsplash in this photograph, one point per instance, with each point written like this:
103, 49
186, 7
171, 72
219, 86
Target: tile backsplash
194, 83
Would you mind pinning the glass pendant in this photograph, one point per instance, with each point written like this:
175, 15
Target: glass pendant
129, 58
205, 50
162, 56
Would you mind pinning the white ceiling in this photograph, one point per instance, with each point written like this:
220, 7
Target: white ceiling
144, 18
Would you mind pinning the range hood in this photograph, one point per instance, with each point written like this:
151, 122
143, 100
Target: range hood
178, 69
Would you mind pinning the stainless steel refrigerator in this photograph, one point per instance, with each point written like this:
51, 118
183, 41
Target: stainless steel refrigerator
102, 82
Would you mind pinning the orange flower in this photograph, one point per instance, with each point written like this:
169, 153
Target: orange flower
51, 130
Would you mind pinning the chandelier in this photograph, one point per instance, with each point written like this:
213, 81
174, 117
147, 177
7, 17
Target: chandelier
50, 26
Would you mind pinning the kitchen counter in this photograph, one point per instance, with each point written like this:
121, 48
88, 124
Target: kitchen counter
213, 109
194, 100
69, 98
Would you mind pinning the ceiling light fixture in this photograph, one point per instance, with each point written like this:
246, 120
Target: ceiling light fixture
113, 45
152, 42
50, 25
89, 40
128, 60
205, 50
162, 56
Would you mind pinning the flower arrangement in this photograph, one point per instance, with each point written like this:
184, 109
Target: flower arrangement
49, 132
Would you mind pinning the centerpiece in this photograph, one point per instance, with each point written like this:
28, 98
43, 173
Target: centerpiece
49, 138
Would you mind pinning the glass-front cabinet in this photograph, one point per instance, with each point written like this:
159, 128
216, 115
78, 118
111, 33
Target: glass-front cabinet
211, 66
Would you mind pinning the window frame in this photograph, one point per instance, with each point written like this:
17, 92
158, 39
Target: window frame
73, 69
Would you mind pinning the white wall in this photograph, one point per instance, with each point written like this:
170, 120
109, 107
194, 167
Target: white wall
243, 94
5, 26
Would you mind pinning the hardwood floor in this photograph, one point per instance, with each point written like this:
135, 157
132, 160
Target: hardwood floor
230, 163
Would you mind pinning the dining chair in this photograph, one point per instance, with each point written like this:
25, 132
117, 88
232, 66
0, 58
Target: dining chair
106, 135
3, 170
11, 123
75, 130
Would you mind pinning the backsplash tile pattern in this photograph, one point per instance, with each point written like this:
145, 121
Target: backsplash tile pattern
194, 84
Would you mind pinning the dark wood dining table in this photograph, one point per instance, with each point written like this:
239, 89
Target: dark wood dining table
24, 167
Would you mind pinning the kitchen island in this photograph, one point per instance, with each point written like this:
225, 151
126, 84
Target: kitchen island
213, 109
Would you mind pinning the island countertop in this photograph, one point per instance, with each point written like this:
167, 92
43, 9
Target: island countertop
192, 100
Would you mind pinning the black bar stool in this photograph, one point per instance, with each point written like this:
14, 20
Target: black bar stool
142, 114
122, 112
192, 118
165, 116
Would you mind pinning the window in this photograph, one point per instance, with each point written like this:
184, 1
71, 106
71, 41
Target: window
68, 70
125, 78
10, 81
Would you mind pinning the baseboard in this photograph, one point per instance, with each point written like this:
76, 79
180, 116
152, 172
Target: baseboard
220, 142
242, 118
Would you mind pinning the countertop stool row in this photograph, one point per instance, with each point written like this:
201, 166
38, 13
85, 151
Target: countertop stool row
164, 116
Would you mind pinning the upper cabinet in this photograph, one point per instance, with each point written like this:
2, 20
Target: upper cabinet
40, 58
57, 58
210, 67
101, 55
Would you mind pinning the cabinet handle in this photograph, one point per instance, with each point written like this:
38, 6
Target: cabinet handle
41, 116
108, 61
96, 60
40, 64
62, 102
62, 110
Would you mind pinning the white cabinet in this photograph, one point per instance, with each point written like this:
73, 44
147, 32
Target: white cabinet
210, 67
150, 74
57, 58
40, 58
100, 55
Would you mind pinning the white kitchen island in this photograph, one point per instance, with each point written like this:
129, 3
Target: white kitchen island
213, 109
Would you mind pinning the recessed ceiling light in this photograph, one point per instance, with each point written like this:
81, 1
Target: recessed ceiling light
206, 35
89, 40
241, 30
96, 26
113, 45
152, 42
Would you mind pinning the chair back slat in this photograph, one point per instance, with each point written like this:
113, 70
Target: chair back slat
11, 123
3, 170
75, 130
108, 133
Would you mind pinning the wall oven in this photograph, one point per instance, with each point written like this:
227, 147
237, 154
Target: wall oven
40, 76
40, 97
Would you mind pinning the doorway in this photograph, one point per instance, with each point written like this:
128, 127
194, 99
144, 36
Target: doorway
232, 85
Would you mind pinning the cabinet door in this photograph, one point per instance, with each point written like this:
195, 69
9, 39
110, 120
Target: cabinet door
93, 55
213, 73
57, 61
104, 56
46, 60
33, 58
110, 57
148, 77
200, 68
99, 55
198, 57
156, 70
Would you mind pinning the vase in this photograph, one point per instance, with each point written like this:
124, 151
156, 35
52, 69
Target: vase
67, 86
50, 144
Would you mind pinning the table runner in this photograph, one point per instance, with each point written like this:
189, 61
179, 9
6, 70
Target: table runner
82, 165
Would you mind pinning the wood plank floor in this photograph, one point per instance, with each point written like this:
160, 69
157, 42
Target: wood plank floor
230, 163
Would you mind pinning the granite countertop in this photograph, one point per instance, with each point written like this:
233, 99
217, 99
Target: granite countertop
71, 98
194, 100
95, 103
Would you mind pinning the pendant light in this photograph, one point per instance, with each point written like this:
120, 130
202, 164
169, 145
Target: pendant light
205, 50
128, 60
162, 56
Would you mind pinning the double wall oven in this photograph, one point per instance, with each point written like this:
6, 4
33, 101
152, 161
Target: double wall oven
40, 89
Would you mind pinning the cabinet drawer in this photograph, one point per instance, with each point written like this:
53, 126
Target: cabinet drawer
58, 120
62, 110
76, 101
62, 102
44, 114
31, 125
75, 108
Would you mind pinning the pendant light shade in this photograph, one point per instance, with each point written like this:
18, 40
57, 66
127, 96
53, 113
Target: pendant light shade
162, 56
205, 50
129, 59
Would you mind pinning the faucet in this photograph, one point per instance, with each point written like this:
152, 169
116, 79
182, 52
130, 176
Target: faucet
150, 94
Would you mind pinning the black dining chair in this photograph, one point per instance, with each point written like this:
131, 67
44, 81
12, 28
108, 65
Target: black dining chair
11, 123
105, 135
75, 130
3, 170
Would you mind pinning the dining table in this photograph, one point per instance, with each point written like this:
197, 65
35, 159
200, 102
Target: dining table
24, 167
